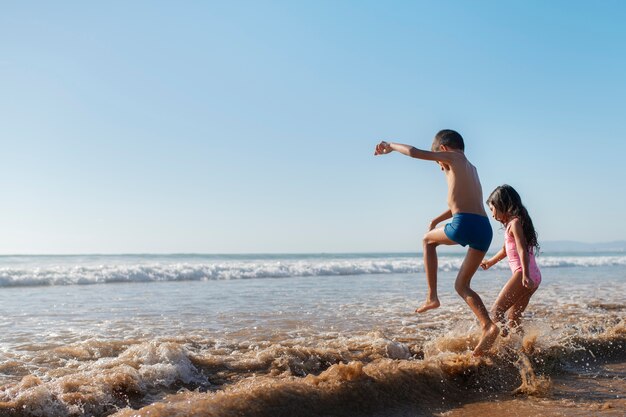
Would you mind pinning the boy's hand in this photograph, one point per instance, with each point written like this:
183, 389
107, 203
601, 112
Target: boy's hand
382, 148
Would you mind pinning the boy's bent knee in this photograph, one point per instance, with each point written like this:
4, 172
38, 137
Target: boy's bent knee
429, 241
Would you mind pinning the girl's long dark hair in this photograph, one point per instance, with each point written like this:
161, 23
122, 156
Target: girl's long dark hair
507, 201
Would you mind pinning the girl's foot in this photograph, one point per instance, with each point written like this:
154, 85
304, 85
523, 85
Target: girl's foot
428, 305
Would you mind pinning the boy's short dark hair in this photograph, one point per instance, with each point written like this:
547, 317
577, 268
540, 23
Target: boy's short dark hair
450, 138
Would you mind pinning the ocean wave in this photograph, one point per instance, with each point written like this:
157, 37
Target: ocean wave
76, 274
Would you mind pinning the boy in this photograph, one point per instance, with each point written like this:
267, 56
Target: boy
469, 226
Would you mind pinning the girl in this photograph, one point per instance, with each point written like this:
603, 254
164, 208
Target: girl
520, 246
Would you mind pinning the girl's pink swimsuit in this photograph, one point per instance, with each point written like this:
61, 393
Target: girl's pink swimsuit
515, 262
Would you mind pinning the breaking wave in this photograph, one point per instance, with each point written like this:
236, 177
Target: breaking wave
199, 377
112, 272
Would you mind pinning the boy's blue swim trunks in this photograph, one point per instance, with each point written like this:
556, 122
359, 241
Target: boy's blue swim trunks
470, 229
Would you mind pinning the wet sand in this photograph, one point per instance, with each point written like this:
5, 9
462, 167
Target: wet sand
597, 391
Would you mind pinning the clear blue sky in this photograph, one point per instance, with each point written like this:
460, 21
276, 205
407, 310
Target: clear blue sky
249, 126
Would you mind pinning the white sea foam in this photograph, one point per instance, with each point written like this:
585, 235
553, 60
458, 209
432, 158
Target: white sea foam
149, 270
580, 261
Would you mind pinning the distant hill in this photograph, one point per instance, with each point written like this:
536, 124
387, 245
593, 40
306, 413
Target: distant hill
574, 246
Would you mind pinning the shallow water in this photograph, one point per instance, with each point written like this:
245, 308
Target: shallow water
155, 335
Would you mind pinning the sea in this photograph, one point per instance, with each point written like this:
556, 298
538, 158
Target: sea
303, 335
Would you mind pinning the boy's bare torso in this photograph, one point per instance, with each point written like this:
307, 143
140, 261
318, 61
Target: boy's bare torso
465, 194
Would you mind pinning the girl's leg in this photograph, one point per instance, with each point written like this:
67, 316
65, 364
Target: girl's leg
462, 285
518, 308
432, 239
507, 297
513, 294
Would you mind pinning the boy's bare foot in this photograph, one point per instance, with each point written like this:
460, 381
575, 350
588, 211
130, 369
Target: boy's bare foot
486, 341
428, 305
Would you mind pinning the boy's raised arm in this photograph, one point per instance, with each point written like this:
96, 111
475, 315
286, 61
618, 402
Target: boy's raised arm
386, 147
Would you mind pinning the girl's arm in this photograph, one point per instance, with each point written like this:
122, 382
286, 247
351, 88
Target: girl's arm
500, 255
384, 148
443, 216
520, 242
